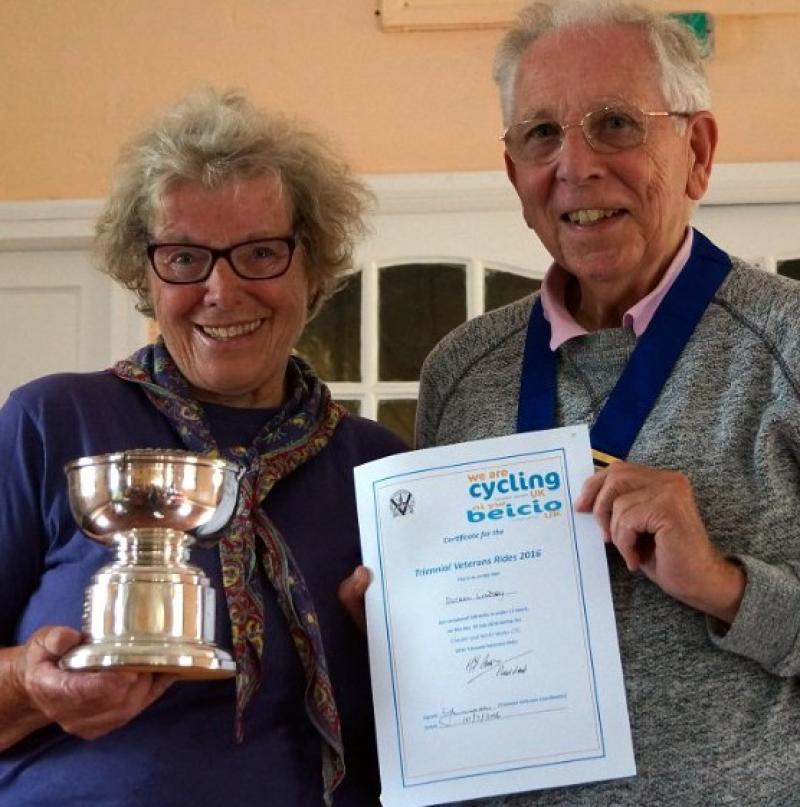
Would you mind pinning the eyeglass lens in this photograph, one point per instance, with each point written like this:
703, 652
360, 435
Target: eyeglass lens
187, 263
608, 129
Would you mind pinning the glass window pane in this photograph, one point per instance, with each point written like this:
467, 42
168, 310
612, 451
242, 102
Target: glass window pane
419, 304
331, 342
502, 288
399, 417
351, 405
790, 268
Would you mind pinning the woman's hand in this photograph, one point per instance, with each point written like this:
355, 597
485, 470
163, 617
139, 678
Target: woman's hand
35, 691
351, 596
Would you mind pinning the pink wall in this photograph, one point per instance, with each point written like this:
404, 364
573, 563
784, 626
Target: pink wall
77, 77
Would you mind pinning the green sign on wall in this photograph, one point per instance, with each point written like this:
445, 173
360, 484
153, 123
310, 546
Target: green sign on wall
702, 26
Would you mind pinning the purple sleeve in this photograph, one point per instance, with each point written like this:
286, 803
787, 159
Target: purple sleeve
23, 536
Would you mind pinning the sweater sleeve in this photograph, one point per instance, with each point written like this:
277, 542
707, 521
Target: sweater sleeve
767, 627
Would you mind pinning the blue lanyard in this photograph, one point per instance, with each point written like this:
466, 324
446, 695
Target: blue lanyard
648, 368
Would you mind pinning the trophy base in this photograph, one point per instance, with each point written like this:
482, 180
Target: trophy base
188, 661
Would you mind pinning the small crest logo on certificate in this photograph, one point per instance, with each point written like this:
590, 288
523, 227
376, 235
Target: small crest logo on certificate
493, 647
401, 503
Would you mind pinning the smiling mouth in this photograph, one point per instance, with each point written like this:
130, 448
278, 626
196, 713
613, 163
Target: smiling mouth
223, 333
591, 215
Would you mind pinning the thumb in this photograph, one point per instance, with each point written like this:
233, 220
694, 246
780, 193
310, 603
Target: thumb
359, 581
351, 595
54, 642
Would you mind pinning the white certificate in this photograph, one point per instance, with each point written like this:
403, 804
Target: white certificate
493, 648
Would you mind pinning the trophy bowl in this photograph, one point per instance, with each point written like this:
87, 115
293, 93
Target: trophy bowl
150, 610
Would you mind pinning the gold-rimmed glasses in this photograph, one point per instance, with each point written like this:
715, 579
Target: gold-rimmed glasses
611, 128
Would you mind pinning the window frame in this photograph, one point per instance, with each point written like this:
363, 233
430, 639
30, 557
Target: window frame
370, 391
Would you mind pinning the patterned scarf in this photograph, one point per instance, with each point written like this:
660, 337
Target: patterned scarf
299, 431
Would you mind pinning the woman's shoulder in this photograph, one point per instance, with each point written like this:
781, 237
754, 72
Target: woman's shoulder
58, 390
61, 393
367, 440
66, 386
75, 414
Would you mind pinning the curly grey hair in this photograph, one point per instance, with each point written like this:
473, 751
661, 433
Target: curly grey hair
209, 137
677, 53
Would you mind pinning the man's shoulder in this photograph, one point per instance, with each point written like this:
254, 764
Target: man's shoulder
749, 283
501, 331
473, 370
764, 304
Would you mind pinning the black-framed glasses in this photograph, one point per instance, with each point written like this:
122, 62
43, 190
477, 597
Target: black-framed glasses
259, 259
608, 129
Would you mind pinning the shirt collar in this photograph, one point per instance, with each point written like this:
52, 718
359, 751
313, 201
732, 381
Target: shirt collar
563, 326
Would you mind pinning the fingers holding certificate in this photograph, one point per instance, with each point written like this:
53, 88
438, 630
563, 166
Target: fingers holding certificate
493, 648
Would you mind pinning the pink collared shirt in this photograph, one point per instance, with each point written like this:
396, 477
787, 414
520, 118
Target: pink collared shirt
562, 324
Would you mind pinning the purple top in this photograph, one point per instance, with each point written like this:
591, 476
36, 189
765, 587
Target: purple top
181, 750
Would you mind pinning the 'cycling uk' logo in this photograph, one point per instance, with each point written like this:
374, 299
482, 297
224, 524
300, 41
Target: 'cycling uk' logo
401, 503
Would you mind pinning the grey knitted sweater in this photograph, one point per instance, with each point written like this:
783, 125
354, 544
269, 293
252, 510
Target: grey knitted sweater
715, 716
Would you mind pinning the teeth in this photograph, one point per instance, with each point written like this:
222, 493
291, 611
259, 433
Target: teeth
231, 331
589, 216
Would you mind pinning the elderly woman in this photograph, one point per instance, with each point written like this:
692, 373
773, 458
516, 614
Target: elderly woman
232, 227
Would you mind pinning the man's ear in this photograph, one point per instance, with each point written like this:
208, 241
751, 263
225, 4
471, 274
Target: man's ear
702, 145
511, 170
511, 173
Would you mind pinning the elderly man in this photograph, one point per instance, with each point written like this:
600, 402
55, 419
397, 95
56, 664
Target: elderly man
686, 364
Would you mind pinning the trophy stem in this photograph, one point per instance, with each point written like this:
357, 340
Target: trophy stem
166, 548
151, 610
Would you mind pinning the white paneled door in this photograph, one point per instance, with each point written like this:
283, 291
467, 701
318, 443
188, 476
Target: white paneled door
57, 312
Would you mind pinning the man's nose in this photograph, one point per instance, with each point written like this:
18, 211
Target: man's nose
577, 161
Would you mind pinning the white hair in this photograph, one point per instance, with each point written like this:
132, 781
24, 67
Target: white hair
677, 53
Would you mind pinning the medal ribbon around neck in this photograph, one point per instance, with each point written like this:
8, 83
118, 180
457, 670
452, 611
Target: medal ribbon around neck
647, 370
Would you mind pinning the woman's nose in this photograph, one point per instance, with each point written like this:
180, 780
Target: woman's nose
223, 284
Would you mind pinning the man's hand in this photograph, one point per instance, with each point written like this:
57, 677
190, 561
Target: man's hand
651, 517
351, 596
87, 704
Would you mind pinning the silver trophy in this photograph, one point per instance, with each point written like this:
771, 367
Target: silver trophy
150, 610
